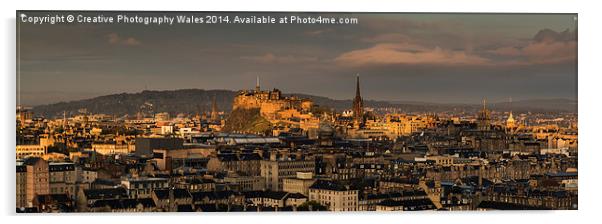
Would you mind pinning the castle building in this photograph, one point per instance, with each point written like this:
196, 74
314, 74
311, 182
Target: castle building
269, 102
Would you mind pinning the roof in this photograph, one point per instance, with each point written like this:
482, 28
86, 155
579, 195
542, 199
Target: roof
177, 193
101, 181
212, 195
250, 156
548, 193
413, 193
401, 180
30, 161
296, 196
199, 181
207, 207
185, 208
562, 174
330, 185
227, 157
507, 206
52, 198
147, 179
278, 195
383, 196
123, 203
415, 205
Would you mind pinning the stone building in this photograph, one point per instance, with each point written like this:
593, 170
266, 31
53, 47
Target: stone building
334, 195
276, 170
269, 102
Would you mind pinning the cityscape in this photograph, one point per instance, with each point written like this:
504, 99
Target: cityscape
218, 148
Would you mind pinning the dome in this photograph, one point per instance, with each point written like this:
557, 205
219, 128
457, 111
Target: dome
510, 118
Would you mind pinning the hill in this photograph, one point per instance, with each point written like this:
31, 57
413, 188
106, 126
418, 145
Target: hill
192, 101
189, 101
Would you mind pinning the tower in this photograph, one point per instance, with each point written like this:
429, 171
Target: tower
358, 105
214, 115
64, 119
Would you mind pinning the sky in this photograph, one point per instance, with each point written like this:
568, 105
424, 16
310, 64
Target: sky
440, 58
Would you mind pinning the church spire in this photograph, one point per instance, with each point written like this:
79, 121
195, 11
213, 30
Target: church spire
484, 103
483, 117
357, 87
358, 105
214, 110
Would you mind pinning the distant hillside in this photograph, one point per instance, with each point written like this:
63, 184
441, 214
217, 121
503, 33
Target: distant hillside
538, 105
173, 101
192, 101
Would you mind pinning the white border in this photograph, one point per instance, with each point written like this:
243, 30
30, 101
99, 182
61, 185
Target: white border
589, 107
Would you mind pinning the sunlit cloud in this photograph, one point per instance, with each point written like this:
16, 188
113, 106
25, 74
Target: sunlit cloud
404, 53
115, 39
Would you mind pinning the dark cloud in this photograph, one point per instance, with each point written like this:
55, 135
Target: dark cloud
546, 47
548, 35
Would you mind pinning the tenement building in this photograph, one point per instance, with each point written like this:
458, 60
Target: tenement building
334, 195
274, 171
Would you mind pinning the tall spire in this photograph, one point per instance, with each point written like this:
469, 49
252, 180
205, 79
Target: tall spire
484, 103
358, 105
64, 119
214, 109
257, 85
357, 87
483, 117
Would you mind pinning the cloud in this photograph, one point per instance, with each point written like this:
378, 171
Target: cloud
406, 53
548, 35
387, 38
115, 39
318, 32
270, 58
546, 47
507, 51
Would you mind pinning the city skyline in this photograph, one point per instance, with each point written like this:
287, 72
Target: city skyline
439, 58
266, 148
